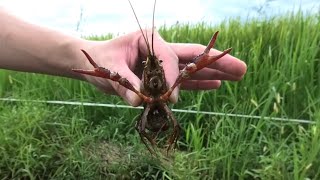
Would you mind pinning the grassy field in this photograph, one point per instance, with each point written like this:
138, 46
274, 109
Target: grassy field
41, 141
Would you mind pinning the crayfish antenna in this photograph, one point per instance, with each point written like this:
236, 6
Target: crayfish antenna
144, 36
154, 9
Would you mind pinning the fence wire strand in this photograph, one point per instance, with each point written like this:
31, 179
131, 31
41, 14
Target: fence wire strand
77, 103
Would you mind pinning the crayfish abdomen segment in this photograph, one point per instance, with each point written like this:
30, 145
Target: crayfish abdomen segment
157, 119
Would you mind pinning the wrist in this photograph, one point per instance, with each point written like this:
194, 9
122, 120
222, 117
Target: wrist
69, 56
73, 57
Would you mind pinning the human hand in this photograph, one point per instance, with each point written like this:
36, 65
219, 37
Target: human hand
125, 54
32, 48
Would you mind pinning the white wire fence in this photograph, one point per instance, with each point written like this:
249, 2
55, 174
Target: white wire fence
77, 103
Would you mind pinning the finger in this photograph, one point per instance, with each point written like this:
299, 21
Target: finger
131, 97
201, 85
170, 60
211, 74
227, 64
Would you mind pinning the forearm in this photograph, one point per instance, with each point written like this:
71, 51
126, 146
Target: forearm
31, 48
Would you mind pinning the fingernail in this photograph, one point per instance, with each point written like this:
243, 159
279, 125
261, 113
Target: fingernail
132, 98
174, 96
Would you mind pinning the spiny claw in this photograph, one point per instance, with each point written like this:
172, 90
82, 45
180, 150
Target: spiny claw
199, 62
114, 76
88, 72
220, 55
211, 43
205, 60
94, 64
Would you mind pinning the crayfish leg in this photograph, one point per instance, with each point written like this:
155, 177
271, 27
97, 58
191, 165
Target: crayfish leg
141, 128
173, 139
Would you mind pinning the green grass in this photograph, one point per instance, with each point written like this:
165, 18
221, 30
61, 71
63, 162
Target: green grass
41, 141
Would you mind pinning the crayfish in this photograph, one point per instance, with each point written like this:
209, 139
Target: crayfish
156, 116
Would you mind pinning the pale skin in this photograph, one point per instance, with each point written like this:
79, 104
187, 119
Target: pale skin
31, 48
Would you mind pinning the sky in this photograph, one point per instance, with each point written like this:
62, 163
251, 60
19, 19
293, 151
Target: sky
102, 17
